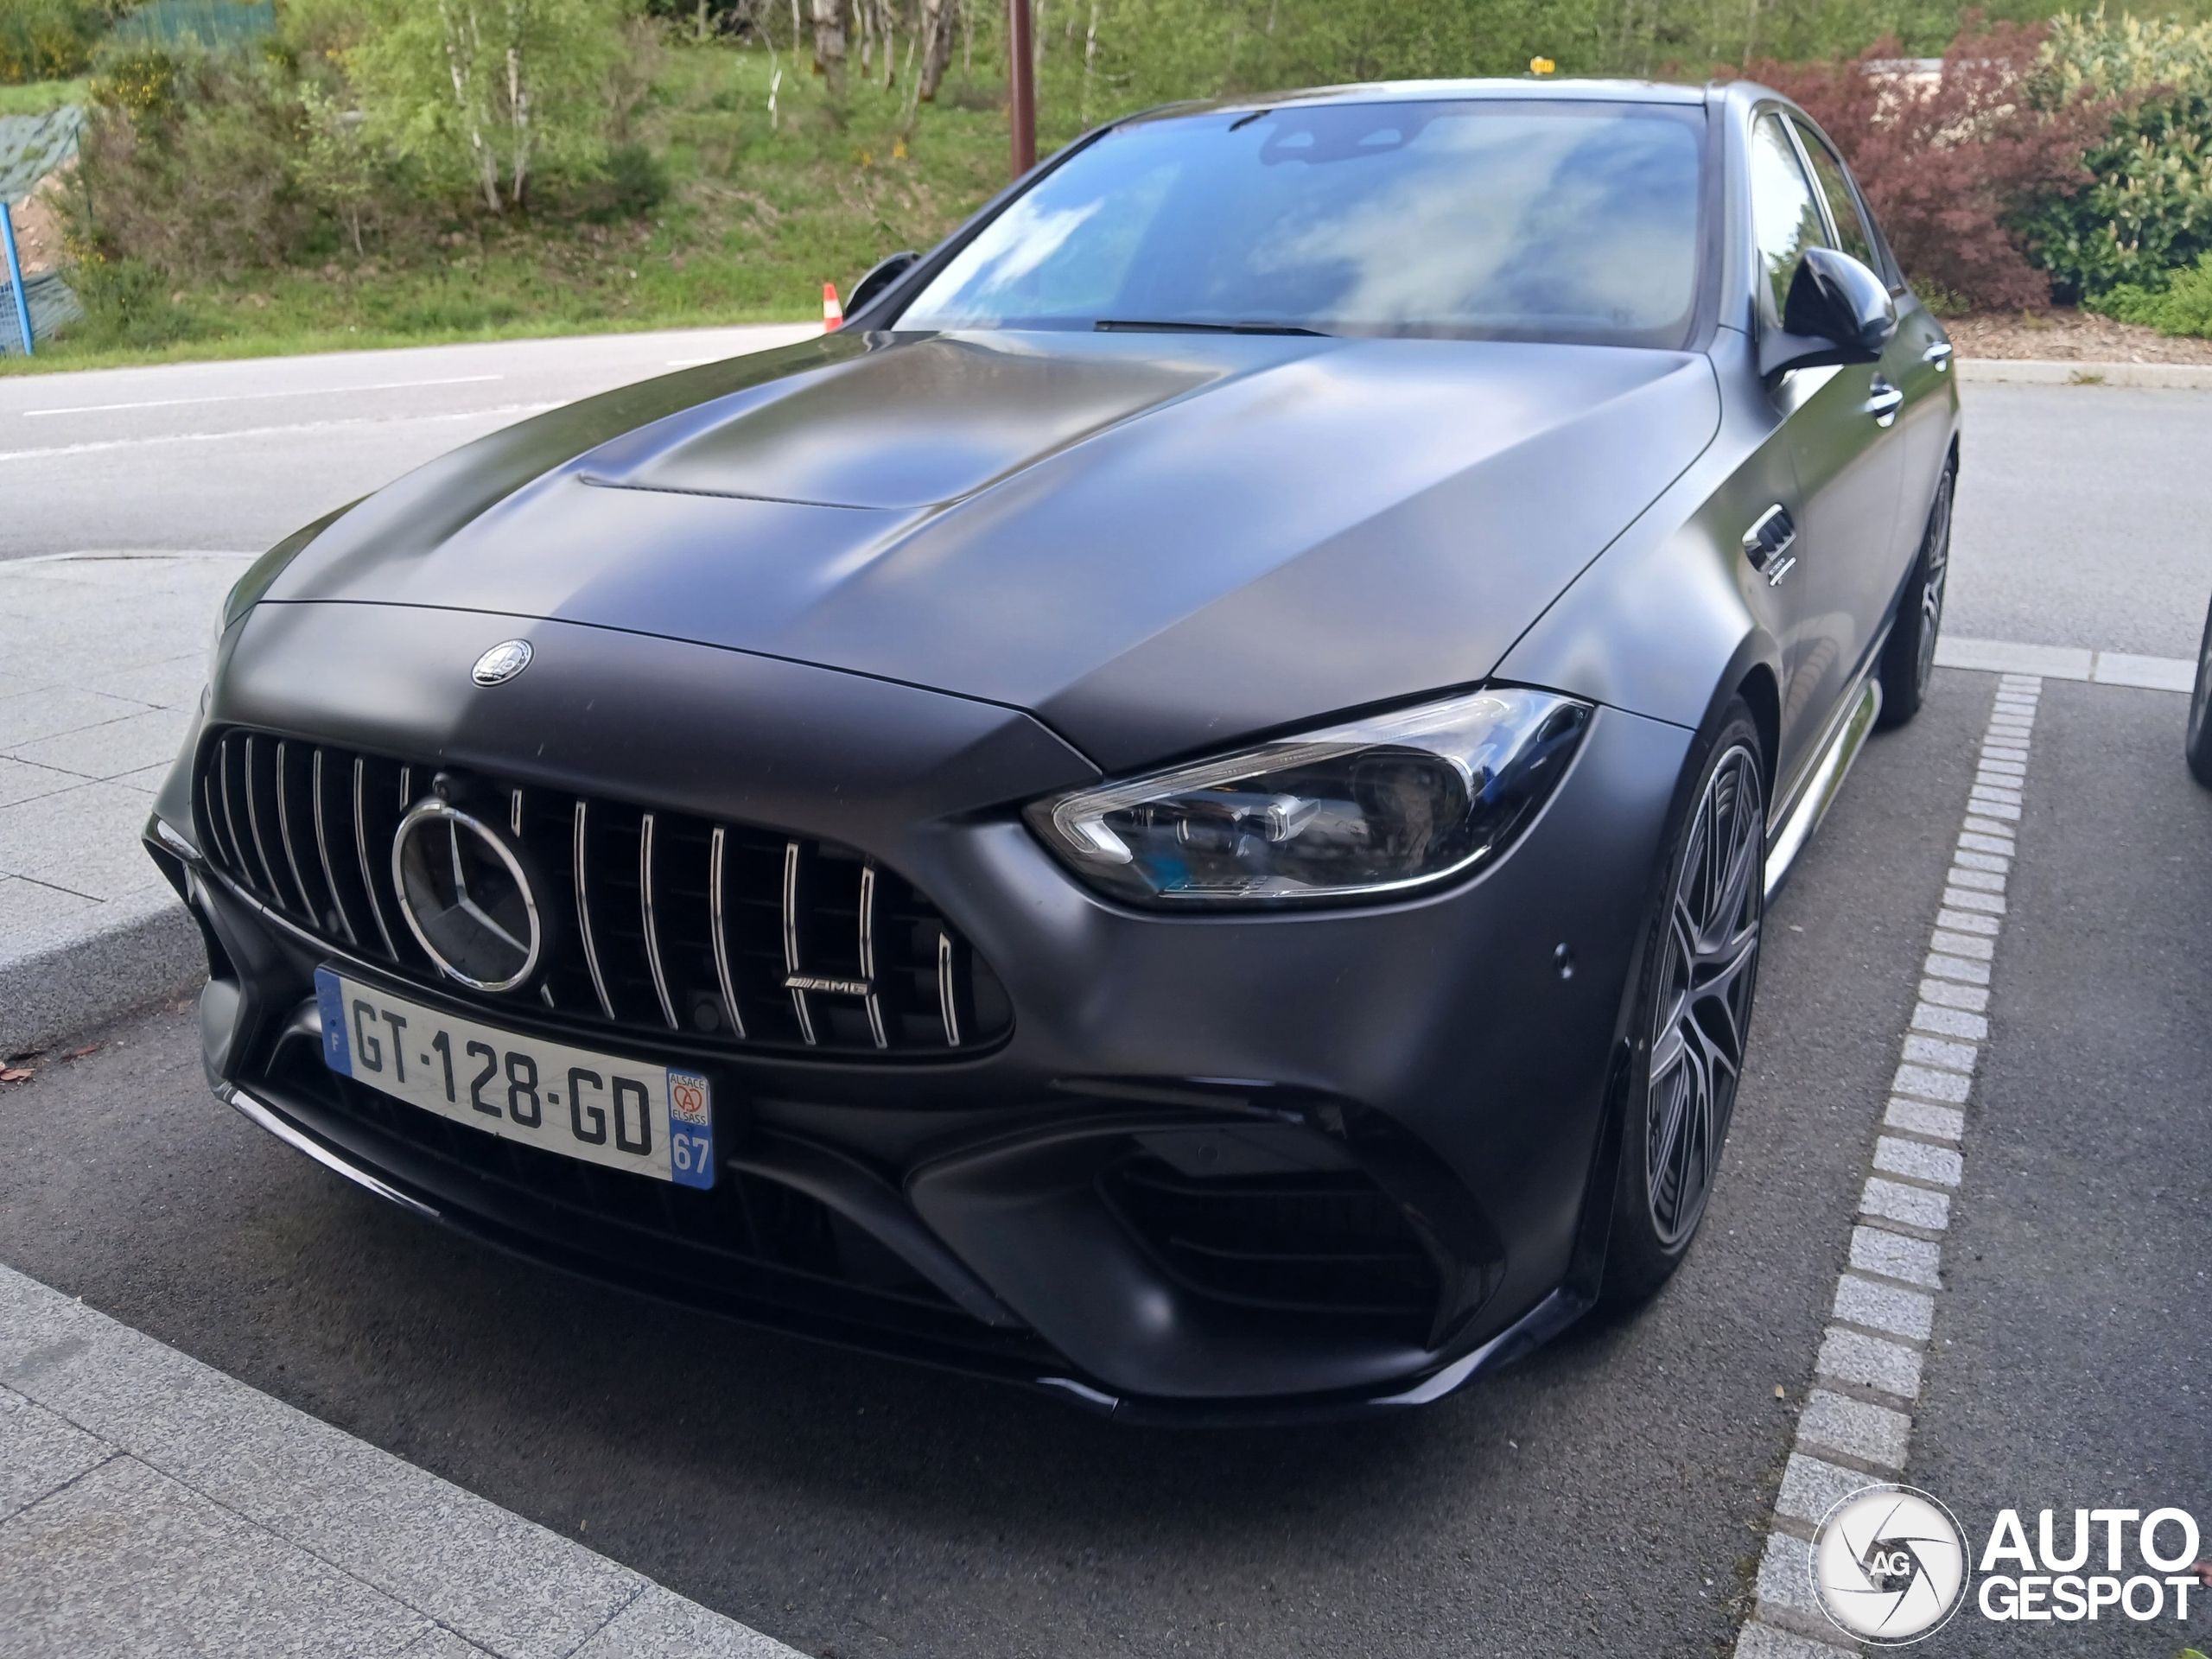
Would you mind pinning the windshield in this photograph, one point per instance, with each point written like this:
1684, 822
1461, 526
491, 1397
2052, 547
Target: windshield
1513, 220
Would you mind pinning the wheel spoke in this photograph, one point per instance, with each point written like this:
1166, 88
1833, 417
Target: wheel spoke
1702, 1001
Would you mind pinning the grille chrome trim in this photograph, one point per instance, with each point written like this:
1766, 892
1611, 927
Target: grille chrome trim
799, 945
947, 1008
792, 969
583, 913
323, 851
361, 848
874, 1003
260, 840
652, 929
719, 923
284, 826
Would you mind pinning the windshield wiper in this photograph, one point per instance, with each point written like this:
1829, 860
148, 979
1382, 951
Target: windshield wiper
1116, 326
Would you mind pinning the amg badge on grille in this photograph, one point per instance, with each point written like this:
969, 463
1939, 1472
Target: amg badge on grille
502, 663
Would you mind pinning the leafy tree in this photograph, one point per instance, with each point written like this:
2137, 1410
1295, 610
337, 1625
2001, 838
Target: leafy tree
491, 91
1952, 164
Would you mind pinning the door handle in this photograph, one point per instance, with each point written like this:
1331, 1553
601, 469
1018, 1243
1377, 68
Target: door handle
1939, 354
1884, 401
1768, 542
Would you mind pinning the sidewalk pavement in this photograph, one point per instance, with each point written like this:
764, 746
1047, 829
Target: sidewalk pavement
151, 1505
102, 659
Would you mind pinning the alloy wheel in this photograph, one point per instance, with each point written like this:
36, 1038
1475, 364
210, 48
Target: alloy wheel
1931, 589
1703, 1012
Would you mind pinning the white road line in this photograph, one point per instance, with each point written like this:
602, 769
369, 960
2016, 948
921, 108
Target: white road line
100, 445
1856, 1426
248, 396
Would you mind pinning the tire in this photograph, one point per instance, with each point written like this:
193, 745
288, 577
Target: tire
2198, 744
1908, 659
1692, 1015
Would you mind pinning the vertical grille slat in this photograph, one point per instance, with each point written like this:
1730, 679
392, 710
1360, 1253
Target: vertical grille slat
583, 908
646, 912
719, 922
664, 923
792, 967
323, 851
361, 848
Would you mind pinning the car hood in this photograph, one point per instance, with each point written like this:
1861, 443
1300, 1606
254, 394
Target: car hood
1155, 543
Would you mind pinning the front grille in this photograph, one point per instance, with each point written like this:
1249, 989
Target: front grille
654, 921
1322, 1241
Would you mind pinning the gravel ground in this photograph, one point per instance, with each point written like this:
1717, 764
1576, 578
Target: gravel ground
2068, 336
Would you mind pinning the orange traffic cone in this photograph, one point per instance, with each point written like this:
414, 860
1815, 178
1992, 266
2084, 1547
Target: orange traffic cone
833, 314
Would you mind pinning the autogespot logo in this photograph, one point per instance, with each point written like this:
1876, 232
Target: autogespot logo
1890, 1565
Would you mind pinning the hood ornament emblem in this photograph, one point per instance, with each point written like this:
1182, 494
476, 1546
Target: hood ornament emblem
502, 663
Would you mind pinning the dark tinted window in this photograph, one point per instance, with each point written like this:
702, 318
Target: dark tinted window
1521, 221
1850, 231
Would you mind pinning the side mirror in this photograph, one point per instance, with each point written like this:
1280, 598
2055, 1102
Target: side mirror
880, 277
1837, 311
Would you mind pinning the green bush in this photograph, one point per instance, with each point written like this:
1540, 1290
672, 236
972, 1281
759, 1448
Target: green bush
2183, 305
46, 39
189, 164
2150, 208
126, 304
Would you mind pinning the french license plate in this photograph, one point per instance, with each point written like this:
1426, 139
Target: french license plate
650, 1120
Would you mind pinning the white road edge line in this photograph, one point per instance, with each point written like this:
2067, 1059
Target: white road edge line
1855, 1427
96, 446
248, 396
320, 1505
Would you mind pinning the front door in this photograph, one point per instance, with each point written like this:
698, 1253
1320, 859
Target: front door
1836, 422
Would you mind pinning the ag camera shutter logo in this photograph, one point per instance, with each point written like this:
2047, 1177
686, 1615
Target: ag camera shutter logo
1888, 1564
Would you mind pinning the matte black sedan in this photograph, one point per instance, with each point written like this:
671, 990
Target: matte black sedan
1178, 812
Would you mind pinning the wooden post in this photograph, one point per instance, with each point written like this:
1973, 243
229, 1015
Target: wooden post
1022, 104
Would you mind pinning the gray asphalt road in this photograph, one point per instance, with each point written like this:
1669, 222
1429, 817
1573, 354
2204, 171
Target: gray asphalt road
1608, 1495
232, 456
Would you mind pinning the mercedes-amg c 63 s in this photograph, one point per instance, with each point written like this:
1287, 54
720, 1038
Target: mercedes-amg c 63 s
1179, 811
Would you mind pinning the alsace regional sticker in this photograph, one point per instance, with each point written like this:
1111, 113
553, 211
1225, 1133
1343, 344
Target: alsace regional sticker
690, 1130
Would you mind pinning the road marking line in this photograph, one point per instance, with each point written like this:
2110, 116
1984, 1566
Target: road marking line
100, 445
249, 397
1904, 1207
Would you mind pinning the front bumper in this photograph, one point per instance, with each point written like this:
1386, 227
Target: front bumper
1064, 1209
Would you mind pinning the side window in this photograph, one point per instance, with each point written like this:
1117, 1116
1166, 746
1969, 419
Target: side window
1785, 219
1836, 187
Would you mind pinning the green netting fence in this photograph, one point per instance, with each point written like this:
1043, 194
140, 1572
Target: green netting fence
215, 25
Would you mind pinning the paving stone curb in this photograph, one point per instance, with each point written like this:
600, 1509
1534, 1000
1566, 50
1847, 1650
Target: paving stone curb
60, 980
1881, 1330
150, 1503
2173, 377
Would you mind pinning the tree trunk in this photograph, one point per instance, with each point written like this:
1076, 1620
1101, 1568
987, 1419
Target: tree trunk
937, 46
830, 43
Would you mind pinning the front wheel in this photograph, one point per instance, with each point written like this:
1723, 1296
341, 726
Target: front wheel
1908, 659
1693, 1015
2198, 744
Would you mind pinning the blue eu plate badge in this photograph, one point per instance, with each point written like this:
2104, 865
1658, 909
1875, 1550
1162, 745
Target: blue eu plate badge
691, 1129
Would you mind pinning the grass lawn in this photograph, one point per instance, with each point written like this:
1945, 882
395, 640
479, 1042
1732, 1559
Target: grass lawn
756, 218
37, 97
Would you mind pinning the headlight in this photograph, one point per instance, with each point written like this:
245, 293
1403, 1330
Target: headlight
1372, 807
